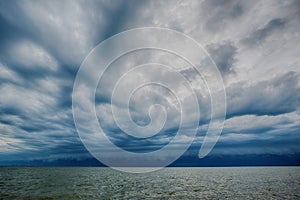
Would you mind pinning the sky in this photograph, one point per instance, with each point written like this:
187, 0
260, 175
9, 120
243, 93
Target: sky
254, 44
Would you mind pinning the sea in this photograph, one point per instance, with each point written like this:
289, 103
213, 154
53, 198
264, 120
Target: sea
167, 183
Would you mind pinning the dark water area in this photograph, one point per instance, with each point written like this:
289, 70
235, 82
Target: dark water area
168, 183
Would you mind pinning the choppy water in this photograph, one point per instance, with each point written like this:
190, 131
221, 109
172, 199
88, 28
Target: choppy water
169, 183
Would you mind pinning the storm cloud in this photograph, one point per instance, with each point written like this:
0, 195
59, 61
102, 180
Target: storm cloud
253, 44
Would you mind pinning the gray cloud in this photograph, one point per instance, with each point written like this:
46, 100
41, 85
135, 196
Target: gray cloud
222, 12
43, 44
271, 97
74, 31
258, 36
224, 56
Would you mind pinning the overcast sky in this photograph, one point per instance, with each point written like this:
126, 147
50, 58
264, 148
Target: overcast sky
255, 45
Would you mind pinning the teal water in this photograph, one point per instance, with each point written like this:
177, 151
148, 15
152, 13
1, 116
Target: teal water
168, 183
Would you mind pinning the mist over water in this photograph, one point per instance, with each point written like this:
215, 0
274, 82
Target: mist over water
168, 183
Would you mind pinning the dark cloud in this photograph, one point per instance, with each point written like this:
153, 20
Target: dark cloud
273, 97
43, 44
260, 35
267, 140
222, 12
224, 56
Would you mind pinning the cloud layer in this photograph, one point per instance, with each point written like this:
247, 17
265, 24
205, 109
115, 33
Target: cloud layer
253, 44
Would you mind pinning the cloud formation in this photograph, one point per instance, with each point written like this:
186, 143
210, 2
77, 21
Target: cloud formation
223, 56
254, 45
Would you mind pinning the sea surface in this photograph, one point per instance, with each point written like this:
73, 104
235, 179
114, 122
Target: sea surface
168, 183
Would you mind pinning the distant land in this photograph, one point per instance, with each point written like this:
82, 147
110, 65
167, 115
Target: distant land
185, 161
